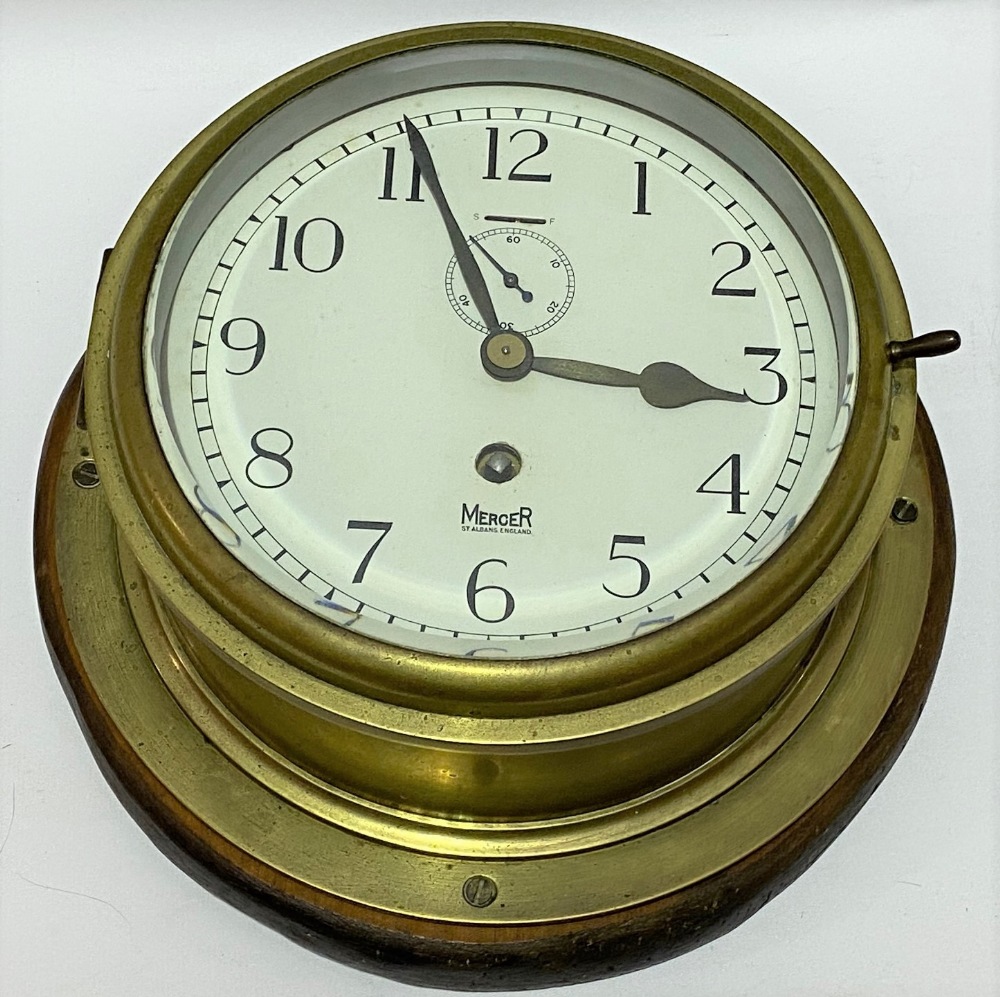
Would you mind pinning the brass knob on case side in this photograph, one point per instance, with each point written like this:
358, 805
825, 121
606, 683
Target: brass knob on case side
931, 344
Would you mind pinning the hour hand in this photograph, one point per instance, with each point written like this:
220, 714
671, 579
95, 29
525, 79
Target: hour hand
508, 356
663, 385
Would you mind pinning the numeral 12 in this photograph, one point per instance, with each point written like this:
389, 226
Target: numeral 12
515, 174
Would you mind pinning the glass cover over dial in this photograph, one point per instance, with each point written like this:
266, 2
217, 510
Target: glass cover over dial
586, 406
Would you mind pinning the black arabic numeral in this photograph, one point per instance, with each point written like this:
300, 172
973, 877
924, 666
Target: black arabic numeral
640, 188
279, 243
514, 174
390, 163
387, 178
739, 292
334, 248
732, 462
270, 467
491, 157
768, 351
473, 590
643, 568
543, 143
365, 524
225, 334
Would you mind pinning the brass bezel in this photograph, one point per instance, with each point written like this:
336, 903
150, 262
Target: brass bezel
199, 577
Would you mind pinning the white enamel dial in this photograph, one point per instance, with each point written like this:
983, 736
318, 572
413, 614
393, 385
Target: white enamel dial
313, 356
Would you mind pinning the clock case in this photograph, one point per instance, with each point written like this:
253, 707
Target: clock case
491, 824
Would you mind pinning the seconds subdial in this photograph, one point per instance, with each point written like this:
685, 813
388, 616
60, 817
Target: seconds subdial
530, 279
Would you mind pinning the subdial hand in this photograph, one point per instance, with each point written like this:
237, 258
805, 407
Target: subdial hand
510, 279
508, 356
466, 262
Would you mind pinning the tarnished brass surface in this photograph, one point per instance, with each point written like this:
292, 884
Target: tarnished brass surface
547, 868
462, 800
501, 771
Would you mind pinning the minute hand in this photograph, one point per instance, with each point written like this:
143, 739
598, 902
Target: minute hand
664, 385
463, 254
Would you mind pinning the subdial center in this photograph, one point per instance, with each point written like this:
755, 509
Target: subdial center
529, 277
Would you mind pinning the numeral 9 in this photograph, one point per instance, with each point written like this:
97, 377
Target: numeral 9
257, 346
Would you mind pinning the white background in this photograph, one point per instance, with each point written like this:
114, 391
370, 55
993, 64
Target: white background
903, 96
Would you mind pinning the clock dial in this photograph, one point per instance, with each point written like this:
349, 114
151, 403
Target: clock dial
319, 392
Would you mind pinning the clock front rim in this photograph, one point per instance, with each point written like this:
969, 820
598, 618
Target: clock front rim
155, 518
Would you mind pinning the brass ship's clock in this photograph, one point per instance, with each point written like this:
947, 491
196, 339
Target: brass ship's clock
494, 533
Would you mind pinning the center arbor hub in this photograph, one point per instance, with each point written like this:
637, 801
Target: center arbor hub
507, 356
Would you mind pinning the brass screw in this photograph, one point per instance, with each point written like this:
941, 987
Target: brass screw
904, 511
85, 474
479, 891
